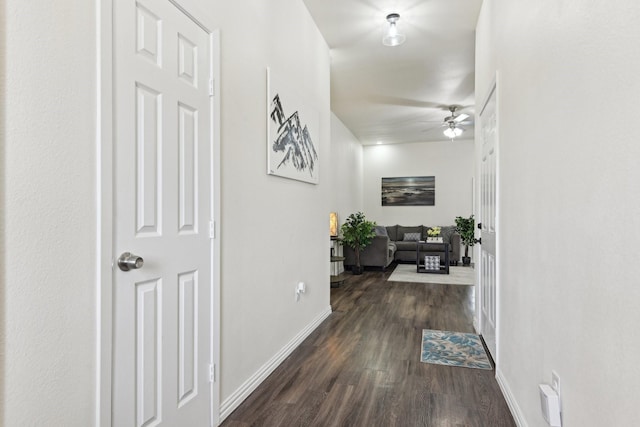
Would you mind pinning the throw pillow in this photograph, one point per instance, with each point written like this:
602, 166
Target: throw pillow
411, 237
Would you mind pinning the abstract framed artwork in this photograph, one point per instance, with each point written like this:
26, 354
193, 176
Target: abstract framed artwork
292, 132
409, 191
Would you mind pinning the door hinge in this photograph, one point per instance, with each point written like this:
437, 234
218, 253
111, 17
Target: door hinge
211, 87
212, 373
212, 229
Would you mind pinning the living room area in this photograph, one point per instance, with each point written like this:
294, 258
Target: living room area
450, 163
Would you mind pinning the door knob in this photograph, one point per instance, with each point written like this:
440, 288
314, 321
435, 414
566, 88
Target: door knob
478, 240
129, 261
480, 225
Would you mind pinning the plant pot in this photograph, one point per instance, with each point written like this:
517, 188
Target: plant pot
357, 269
466, 260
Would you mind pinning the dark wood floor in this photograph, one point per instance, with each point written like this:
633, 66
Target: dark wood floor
362, 366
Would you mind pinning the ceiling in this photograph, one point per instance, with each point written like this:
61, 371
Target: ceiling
399, 94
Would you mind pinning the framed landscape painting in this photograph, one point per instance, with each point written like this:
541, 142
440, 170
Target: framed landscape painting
292, 133
409, 191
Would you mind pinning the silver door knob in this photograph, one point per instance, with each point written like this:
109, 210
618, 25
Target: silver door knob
129, 261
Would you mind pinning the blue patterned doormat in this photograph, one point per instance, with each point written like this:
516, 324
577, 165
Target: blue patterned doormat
453, 349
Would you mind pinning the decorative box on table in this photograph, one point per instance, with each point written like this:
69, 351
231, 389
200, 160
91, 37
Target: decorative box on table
432, 262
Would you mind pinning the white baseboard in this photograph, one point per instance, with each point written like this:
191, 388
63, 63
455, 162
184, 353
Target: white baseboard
237, 397
518, 416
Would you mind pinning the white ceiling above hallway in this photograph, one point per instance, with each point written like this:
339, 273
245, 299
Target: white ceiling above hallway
401, 93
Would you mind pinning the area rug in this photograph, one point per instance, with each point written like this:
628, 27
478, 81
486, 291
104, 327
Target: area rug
456, 276
453, 349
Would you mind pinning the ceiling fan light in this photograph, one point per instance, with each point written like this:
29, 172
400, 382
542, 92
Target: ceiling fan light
392, 36
452, 132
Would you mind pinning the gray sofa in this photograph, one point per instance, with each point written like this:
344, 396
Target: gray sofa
396, 243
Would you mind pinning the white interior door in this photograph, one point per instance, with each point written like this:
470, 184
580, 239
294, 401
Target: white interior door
162, 337
488, 253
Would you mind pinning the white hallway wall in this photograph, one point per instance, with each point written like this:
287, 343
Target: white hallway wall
345, 178
345, 171
451, 162
47, 169
274, 230
569, 202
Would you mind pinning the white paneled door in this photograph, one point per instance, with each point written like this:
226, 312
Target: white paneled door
162, 337
488, 253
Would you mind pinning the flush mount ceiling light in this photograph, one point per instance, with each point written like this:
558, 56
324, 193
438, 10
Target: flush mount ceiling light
392, 37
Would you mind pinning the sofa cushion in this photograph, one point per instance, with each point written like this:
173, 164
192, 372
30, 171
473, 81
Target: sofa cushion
411, 237
392, 232
405, 246
402, 230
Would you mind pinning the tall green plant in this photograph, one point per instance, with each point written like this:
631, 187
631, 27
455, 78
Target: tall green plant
357, 233
465, 227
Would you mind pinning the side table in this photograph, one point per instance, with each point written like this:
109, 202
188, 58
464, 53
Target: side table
339, 277
444, 269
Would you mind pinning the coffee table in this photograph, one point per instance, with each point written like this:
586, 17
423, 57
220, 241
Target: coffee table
444, 269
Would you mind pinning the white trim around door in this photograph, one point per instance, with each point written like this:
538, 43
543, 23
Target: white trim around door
488, 253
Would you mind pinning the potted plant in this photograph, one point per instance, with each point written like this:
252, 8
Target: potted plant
465, 227
433, 234
357, 233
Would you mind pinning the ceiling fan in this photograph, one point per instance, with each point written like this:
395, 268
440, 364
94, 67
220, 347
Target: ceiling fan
453, 122
453, 118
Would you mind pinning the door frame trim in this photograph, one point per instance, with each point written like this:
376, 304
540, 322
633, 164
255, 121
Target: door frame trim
104, 183
105, 203
492, 88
